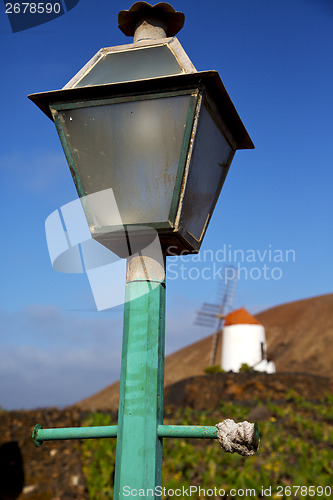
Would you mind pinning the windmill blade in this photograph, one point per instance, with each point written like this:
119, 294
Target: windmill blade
207, 314
206, 322
210, 308
232, 290
206, 317
210, 314
226, 291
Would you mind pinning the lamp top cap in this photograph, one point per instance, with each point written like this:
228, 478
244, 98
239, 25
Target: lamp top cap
162, 13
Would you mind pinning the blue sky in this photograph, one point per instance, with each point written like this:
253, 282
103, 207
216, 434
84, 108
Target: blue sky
275, 59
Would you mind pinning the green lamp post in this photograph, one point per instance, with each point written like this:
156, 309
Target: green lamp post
140, 120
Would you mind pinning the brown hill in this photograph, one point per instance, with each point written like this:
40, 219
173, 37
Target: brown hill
300, 335
299, 339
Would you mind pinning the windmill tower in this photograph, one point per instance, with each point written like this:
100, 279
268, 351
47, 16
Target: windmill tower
212, 315
244, 342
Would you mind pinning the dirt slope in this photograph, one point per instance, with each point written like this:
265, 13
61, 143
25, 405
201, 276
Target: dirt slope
299, 339
300, 335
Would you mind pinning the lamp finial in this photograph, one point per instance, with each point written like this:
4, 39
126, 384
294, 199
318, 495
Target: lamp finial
144, 21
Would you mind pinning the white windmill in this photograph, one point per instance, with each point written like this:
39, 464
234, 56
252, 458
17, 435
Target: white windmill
244, 339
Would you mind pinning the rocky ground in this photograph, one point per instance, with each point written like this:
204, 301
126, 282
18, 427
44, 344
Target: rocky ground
204, 392
51, 472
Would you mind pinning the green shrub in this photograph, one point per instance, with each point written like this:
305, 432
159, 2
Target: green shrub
244, 367
214, 369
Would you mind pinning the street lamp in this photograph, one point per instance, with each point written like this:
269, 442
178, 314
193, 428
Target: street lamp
140, 120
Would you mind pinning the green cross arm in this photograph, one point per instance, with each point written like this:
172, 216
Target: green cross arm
40, 435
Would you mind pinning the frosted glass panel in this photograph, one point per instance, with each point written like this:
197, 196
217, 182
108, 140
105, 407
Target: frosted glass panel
133, 148
132, 65
211, 158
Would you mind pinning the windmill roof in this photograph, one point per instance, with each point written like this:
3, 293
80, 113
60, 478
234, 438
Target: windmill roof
240, 317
